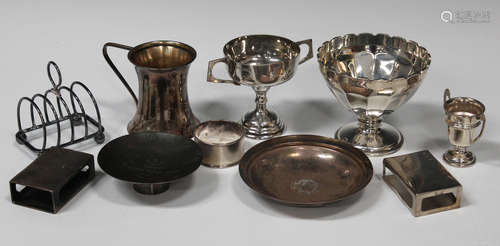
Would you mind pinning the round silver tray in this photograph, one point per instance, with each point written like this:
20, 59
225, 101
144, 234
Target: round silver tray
305, 170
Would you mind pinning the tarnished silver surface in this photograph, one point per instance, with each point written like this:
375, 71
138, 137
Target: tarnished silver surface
422, 183
150, 160
260, 61
305, 170
464, 115
372, 75
221, 143
162, 68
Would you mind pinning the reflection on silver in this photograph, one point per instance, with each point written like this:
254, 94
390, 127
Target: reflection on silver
260, 61
372, 75
325, 156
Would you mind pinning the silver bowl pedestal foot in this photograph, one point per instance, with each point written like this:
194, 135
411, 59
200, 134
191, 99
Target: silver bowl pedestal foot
373, 137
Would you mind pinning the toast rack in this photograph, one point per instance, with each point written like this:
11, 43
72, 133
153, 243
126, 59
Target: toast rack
74, 113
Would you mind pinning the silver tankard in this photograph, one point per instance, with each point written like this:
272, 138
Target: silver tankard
163, 104
464, 115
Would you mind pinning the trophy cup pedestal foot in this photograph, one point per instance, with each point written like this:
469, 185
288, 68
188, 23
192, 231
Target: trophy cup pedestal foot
261, 126
458, 158
382, 140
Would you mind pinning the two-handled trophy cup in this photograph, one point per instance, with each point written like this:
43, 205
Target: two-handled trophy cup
464, 115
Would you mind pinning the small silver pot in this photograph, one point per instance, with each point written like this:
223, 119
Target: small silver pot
220, 142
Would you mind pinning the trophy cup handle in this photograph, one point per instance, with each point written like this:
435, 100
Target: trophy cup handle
446, 96
309, 55
211, 77
483, 122
113, 67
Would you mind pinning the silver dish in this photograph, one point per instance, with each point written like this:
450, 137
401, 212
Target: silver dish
305, 170
150, 160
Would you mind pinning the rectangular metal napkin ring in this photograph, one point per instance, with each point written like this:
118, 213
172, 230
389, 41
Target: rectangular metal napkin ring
422, 183
51, 180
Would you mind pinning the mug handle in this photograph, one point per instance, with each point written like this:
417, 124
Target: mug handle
113, 67
446, 96
309, 55
483, 122
211, 77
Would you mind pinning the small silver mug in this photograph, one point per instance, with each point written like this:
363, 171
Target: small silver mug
464, 115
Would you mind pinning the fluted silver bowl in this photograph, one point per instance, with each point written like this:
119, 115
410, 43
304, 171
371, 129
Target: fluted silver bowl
372, 75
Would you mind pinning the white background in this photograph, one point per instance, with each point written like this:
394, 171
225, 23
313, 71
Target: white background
214, 207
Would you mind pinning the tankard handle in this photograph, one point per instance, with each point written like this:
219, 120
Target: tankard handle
309, 44
483, 123
446, 96
212, 78
113, 67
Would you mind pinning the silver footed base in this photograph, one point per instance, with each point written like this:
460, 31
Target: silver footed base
151, 189
385, 140
459, 158
262, 125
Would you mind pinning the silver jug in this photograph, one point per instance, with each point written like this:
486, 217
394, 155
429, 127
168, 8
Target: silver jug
162, 68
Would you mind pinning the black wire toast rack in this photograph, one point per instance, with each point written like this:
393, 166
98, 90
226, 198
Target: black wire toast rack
50, 115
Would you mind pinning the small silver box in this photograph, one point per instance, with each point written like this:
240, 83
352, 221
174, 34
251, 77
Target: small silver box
422, 183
